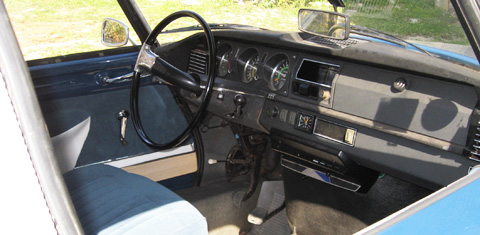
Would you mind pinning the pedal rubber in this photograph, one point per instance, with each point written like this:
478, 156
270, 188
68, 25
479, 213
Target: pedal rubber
257, 215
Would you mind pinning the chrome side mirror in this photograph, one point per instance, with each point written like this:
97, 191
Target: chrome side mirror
114, 33
324, 23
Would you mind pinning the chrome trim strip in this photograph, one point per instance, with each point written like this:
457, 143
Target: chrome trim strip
319, 62
314, 83
130, 161
378, 126
146, 59
475, 153
474, 159
308, 172
299, 158
123, 78
221, 89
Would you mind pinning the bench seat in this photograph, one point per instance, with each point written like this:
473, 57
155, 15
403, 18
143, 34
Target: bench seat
109, 200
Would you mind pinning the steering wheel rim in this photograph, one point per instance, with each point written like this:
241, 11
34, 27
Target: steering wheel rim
169, 70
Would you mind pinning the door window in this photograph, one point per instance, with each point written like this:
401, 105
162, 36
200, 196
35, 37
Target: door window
48, 28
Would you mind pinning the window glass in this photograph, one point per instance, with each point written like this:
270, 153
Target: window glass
426, 22
47, 28
431, 23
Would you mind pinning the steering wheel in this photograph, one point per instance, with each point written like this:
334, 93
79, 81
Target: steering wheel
149, 62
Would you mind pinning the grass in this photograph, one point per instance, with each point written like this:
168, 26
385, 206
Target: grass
416, 19
48, 28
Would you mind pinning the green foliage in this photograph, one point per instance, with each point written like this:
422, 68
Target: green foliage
286, 3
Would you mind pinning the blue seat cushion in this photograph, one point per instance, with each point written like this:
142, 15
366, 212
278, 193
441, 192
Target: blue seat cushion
109, 200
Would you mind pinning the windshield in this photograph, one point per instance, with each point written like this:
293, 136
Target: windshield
51, 28
431, 24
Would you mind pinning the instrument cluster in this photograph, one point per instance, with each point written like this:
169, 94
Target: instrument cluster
251, 66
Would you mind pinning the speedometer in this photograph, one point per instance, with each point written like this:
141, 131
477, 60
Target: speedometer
224, 64
251, 69
279, 75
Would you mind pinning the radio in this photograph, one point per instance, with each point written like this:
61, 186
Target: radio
322, 163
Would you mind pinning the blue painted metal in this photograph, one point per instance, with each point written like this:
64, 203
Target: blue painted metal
81, 77
324, 177
457, 213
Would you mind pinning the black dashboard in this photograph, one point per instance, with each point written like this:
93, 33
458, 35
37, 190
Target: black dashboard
327, 103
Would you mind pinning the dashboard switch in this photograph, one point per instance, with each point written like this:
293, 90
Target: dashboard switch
349, 136
275, 112
291, 117
283, 115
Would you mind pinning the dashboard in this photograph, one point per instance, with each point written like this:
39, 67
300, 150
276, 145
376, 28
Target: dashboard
330, 106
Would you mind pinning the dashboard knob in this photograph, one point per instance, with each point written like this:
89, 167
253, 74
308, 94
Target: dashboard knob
324, 95
239, 100
400, 85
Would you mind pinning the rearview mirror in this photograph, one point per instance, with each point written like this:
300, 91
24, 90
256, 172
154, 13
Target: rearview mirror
114, 33
324, 23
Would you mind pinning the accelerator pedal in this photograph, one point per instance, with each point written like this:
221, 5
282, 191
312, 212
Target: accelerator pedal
270, 217
257, 216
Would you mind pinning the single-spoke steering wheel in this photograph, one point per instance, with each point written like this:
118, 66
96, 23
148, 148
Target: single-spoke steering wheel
149, 62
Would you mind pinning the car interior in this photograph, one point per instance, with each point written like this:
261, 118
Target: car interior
251, 131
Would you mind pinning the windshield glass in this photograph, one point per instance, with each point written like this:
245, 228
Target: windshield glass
47, 28
431, 24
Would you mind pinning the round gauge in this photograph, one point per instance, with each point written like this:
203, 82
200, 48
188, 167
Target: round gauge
279, 75
224, 64
250, 70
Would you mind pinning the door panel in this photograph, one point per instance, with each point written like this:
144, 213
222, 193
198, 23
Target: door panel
72, 92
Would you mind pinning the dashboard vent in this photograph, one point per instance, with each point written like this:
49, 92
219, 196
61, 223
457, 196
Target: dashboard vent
475, 153
198, 62
335, 43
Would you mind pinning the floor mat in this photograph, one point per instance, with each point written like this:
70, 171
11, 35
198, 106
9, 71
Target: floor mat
272, 197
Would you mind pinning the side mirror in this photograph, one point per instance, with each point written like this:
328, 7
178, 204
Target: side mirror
324, 23
114, 33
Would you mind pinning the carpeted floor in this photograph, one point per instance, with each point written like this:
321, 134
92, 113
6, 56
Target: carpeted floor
312, 208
